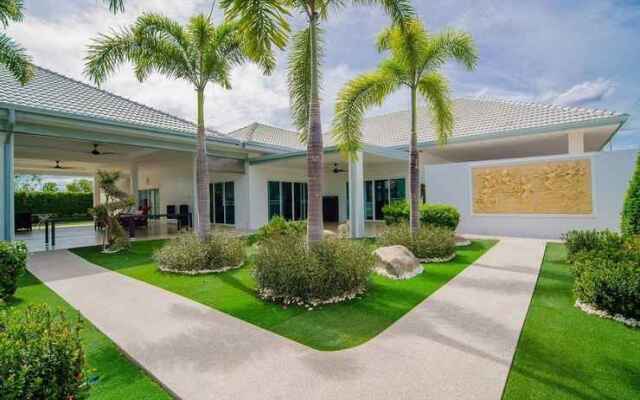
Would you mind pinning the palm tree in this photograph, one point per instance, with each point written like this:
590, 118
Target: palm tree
200, 53
115, 5
265, 25
12, 56
415, 59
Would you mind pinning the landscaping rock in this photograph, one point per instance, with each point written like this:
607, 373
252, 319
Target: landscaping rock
329, 234
396, 262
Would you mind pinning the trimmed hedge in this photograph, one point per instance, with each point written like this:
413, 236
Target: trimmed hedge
276, 228
430, 242
13, 262
578, 242
441, 215
288, 271
631, 211
41, 356
63, 204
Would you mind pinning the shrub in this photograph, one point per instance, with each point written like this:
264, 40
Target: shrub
440, 215
278, 227
41, 356
396, 212
631, 210
591, 241
187, 254
13, 261
429, 243
63, 204
611, 282
287, 271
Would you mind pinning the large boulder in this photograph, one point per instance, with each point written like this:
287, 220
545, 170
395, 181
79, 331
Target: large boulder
396, 262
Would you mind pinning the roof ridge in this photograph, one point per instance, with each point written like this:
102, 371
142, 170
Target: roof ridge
541, 104
108, 93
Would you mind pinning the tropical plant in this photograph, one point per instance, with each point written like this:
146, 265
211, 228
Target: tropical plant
199, 53
265, 26
442, 215
13, 57
430, 243
415, 59
27, 183
631, 210
106, 214
115, 5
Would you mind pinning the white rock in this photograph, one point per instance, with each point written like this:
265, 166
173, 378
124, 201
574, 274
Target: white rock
396, 262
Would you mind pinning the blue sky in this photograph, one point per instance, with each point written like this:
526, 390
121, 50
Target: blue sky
577, 53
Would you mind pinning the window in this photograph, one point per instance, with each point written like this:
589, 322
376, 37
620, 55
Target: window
287, 199
149, 199
222, 203
379, 193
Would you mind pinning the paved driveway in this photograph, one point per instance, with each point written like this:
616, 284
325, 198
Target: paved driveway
457, 344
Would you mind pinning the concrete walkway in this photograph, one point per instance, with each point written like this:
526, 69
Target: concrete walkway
458, 344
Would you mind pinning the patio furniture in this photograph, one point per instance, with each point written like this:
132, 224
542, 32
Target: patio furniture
24, 222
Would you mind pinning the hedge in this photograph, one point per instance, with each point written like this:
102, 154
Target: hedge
63, 204
631, 210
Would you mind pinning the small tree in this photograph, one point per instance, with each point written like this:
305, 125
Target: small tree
116, 201
50, 187
631, 210
79, 186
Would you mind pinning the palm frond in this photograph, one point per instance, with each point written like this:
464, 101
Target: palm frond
115, 6
450, 45
357, 96
435, 89
407, 45
400, 11
299, 77
15, 59
107, 52
10, 11
264, 25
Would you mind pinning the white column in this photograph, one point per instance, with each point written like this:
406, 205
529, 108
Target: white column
576, 142
356, 196
7, 214
134, 183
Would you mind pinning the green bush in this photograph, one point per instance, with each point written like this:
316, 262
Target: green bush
440, 215
396, 212
591, 241
631, 210
430, 242
188, 254
63, 204
279, 227
41, 356
288, 271
13, 261
609, 281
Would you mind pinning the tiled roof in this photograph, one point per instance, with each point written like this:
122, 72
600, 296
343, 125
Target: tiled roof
265, 134
477, 117
474, 117
51, 91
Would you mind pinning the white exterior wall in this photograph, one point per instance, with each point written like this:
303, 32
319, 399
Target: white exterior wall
611, 173
174, 180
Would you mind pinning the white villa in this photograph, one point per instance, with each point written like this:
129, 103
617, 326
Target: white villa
510, 168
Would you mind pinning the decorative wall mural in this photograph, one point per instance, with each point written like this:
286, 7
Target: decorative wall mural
554, 187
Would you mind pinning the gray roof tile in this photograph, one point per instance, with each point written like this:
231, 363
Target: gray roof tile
265, 134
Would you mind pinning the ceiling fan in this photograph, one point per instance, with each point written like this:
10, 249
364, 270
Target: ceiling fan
337, 170
97, 152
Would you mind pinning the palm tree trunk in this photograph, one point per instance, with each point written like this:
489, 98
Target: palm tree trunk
315, 162
202, 173
414, 167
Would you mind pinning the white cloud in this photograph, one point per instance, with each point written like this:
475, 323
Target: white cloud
585, 92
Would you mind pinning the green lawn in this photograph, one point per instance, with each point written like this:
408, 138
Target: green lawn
331, 327
113, 375
564, 353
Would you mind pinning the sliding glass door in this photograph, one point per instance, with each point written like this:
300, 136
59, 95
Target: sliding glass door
287, 199
222, 203
150, 200
378, 193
